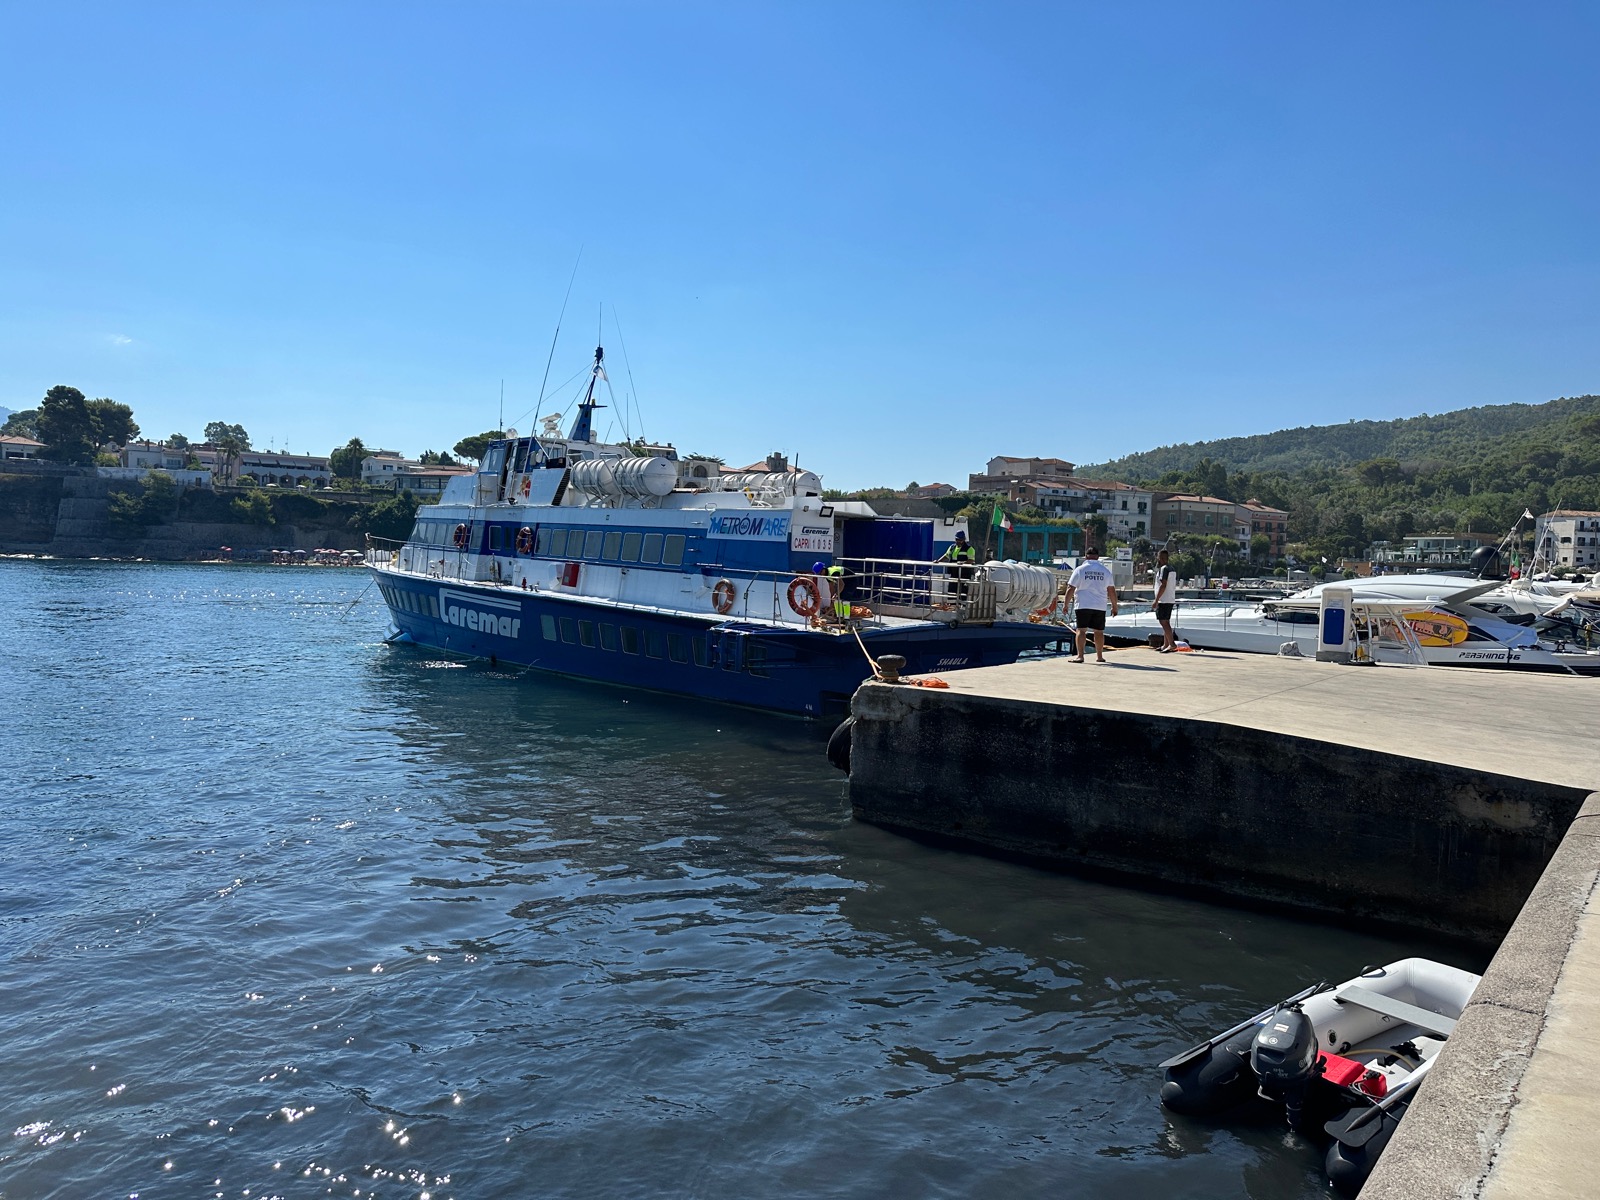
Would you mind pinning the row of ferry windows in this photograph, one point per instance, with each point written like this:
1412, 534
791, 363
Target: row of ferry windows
412, 602
652, 643
597, 544
607, 545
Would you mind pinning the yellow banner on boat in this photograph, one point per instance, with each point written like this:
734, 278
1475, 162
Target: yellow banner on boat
1437, 628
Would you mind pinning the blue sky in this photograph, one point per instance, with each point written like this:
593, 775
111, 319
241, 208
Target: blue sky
894, 239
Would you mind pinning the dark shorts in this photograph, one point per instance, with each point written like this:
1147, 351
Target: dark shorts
1163, 612
1091, 618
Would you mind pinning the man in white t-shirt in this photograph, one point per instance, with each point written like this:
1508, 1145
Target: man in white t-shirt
1090, 586
1166, 597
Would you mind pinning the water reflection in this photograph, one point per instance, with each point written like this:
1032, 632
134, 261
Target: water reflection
301, 912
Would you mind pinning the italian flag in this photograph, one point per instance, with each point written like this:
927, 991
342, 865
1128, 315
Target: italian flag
1001, 519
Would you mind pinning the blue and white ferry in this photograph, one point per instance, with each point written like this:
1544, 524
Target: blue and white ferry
634, 565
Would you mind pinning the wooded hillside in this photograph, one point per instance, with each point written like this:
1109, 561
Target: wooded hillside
1346, 485
1467, 432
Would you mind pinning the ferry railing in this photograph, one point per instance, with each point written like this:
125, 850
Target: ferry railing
939, 591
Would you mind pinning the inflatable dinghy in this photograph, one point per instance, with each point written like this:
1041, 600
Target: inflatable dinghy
1344, 1059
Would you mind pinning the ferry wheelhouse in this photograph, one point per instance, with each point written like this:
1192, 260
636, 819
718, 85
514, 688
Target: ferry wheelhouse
633, 565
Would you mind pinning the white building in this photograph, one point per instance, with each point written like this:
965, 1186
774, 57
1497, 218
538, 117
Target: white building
153, 456
386, 469
1568, 539
18, 447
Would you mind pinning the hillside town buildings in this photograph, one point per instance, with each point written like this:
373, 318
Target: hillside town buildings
1568, 538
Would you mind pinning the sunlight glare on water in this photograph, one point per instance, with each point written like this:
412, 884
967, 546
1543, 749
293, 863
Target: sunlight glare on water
289, 912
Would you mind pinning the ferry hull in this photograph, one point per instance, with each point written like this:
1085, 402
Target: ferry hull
805, 672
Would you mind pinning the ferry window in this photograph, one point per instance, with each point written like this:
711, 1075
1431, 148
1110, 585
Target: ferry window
591, 548
433, 607
630, 546
613, 547
569, 630
677, 647
651, 553
672, 552
755, 659
702, 652
558, 542
541, 542
630, 640
547, 626
608, 636
586, 634
655, 644
497, 538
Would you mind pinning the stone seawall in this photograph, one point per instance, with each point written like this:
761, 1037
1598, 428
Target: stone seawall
62, 512
1268, 808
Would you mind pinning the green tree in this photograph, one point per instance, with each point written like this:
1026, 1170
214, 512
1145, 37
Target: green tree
113, 422
391, 518
22, 424
476, 446
230, 441
436, 458
1260, 545
66, 427
177, 441
156, 500
345, 462
254, 509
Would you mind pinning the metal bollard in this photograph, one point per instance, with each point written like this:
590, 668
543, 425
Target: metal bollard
890, 666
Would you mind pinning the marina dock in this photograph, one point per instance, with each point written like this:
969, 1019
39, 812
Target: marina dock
1456, 800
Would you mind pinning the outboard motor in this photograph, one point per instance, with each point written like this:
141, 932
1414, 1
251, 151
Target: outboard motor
1284, 1058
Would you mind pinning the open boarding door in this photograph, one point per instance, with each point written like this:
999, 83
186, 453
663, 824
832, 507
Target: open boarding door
887, 560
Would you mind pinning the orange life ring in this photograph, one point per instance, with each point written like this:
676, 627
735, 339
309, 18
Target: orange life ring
1044, 612
525, 540
460, 537
722, 596
804, 597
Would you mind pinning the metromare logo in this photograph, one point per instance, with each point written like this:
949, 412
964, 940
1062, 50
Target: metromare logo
487, 614
750, 525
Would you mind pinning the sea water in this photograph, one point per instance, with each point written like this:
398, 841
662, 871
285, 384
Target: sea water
286, 911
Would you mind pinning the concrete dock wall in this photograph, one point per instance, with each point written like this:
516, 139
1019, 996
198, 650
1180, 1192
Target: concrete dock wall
1215, 804
1511, 1107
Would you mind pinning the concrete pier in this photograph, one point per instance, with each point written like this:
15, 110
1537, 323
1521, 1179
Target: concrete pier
1457, 800
1423, 797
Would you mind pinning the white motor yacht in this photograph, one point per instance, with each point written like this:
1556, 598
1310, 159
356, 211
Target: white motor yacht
1434, 620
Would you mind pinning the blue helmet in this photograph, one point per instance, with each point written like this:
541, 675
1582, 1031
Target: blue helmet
819, 567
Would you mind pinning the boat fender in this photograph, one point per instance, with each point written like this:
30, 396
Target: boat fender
722, 596
525, 540
460, 537
1216, 1079
804, 597
839, 745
